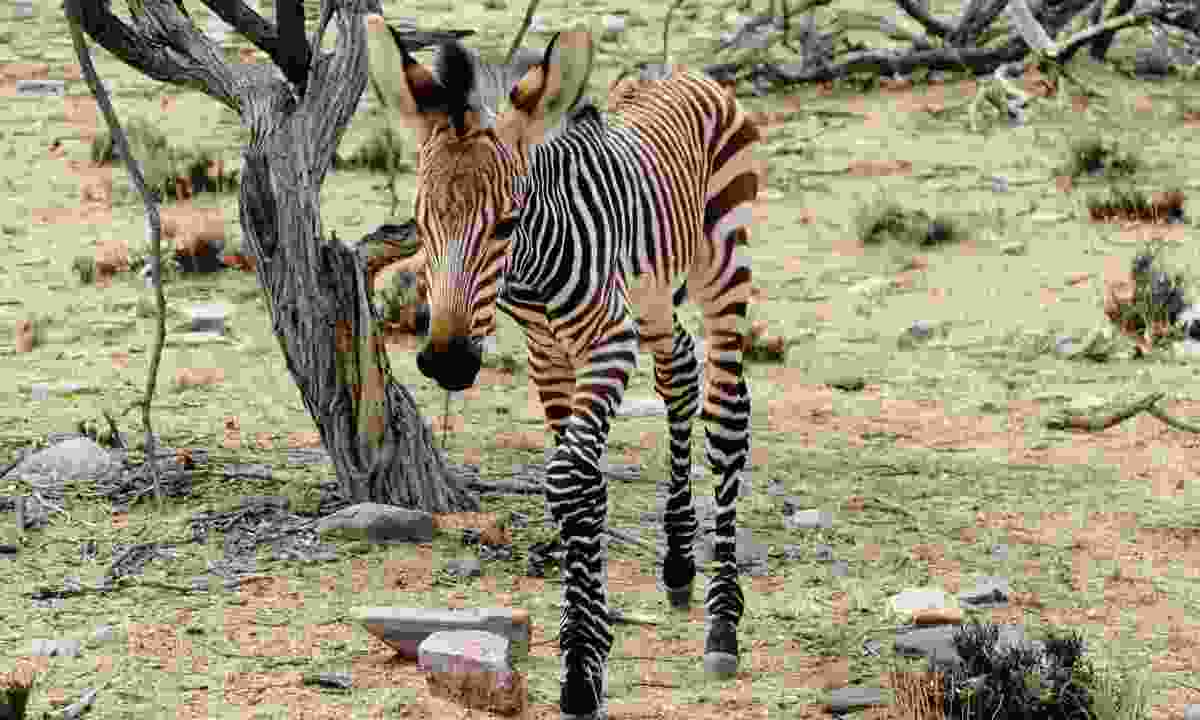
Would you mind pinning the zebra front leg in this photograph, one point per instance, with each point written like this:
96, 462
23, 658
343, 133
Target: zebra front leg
552, 374
578, 498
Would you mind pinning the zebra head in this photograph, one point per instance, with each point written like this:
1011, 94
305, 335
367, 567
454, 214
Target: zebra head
471, 168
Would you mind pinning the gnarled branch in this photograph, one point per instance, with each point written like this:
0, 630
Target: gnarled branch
164, 44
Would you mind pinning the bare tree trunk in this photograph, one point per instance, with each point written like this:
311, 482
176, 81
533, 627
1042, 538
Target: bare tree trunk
316, 288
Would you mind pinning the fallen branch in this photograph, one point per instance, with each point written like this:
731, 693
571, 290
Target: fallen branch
1172, 421
1100, 423
508, 487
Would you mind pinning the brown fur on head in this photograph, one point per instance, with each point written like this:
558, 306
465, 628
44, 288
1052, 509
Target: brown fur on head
466, 173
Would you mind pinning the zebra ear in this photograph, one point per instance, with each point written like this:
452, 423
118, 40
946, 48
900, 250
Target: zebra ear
406, 87
551, 88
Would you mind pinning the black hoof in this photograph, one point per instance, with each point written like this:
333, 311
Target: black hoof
583, 696
721, 649
680, 598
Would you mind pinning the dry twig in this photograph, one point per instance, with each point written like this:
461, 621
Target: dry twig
1100, 423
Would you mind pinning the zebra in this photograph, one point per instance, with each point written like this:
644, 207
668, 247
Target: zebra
587, 227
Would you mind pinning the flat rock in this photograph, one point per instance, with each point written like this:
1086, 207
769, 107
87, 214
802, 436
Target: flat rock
911, 600
642, 407
69, 461
472, 668
380, 523
849, 699
988, 592
405, 628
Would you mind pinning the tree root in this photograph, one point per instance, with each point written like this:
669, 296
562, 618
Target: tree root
1100, 423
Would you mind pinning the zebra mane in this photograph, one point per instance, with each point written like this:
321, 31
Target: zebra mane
471, 83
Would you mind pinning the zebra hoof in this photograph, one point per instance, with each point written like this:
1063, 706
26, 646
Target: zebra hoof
681, 597
721, 649
583, 696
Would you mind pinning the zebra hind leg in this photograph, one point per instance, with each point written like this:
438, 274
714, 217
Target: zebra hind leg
677, 379
726, 417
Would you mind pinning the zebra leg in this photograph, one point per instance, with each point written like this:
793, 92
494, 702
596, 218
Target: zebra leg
553, 374
578, 498
677, 379
726, 416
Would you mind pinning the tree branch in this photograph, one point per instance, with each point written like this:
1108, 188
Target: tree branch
1100, 423
337, 79
153, 225
163, 44
932, 25
295, 54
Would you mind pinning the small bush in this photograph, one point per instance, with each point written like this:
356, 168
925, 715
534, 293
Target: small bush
882, 220
84, 267
1019, 683
382, 152
1094, 156
164, 165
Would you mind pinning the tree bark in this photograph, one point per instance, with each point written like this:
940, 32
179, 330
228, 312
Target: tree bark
316, 289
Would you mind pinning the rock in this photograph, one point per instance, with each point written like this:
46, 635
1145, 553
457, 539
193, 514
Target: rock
208, 318
69, 461
1191, 712
614, 26
642, 407
849, 383
1000, 185
404, 628
464, 567
937, 642
871, 286
988, 592
849, 699
40, 88
907, 602
380, 523
808, 520
471, 667
103, 634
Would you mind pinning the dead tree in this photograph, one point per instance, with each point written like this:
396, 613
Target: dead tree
315, 286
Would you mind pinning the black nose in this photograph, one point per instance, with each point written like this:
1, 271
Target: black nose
454, 367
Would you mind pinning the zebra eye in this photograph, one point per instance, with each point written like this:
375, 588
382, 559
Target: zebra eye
505, 227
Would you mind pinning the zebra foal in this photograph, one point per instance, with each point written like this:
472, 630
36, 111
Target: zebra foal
583, 226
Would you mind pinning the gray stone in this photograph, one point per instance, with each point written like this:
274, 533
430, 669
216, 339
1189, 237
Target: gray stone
849, 699
1000, 185
463, 650
1000, 551
808, 520
988, 592
464, 567
1191, 712
613, 26
380, 523
937, 642
40, 88
404, 629
909, 601
839, 568
72, 460
65, 647
472, 667
103, 634
642, 407
208, 318
823, 553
